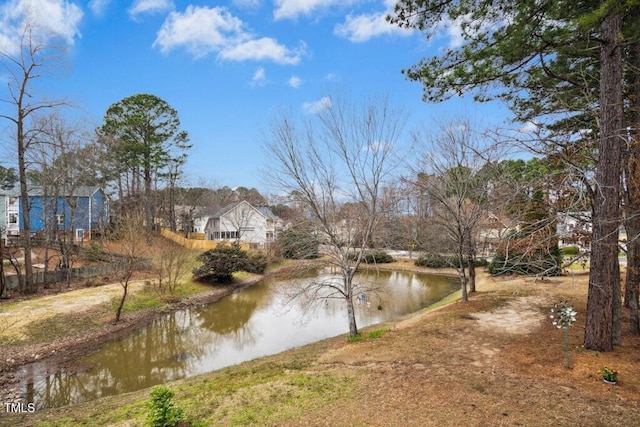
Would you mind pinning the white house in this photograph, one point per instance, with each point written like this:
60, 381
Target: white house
574, 228
245, 222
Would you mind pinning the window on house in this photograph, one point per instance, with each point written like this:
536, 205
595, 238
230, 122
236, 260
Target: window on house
60, 219
13, 218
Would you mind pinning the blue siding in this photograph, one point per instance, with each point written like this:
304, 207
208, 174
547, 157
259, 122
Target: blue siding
85, 212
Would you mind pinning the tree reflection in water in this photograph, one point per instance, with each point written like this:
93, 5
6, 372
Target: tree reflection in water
240, 327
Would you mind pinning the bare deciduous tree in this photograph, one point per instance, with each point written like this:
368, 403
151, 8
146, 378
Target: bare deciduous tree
35, 55
454, 170
171, 263
131, 248
336, 166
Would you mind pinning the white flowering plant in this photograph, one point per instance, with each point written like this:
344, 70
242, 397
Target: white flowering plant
563, 316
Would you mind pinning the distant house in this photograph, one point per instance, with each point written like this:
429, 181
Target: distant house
492, 231
574, 228
242, 221
82, 210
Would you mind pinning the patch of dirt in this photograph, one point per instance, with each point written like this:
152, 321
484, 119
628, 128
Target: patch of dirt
17, 318
520, 316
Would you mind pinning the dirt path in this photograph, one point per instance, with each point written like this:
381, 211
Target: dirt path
15, 318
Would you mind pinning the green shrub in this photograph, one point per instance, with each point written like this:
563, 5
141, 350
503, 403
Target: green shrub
570, 251
257, 263
377, 257
95, 252
162, 410
533, 263
442, 261
219, 264
298, 243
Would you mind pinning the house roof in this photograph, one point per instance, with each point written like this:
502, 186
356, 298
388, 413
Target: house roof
38, 190
265, 211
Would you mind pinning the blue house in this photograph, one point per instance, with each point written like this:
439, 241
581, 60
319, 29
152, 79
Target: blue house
82, 210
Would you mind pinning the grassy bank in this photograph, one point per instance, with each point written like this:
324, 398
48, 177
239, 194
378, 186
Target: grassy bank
495, 360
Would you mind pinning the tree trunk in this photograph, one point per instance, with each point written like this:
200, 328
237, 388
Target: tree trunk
30, 286
632, 194
471, 257
463, 276
472, 274
601, 330
148, 215
351, 313
3, 282
125, 287
633, 277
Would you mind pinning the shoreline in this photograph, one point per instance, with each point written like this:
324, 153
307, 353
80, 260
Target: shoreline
64, 351
500, 347
15, 360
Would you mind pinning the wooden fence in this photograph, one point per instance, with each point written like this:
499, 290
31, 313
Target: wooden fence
74, 274
196, 243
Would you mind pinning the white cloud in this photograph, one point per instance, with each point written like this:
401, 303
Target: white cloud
295, 82
459, 30
203, 30
262, 49
316, 106
48, 19
149, 7
259, 77
361, 28
530, 128
200, 30
98, 7
332, 77
291, 9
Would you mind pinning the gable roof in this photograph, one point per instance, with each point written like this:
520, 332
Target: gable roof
38, 190
263, 210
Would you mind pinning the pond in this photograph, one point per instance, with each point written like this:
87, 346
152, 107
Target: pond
243, 326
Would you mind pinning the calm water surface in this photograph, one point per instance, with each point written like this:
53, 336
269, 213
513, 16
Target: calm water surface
252, 323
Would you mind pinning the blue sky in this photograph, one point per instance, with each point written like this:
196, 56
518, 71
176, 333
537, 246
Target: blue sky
228, 66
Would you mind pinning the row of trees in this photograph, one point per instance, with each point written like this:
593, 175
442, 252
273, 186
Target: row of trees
139, 148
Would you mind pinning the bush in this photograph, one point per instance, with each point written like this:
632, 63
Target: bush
378, 257
433, 261
375, 257
220, 263
298, 243
162, 411
257, 263
95, 252
442, 261
570, 251
535, 263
